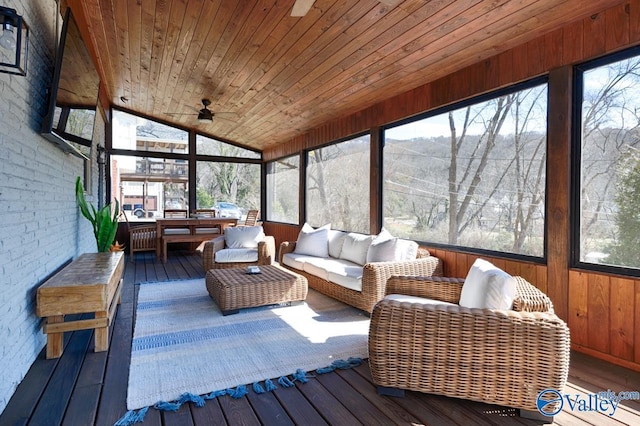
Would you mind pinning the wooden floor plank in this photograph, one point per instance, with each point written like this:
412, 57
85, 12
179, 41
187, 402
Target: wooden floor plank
182, 417
298, 407
113, 400
327, 405
238, 411
210, 414
84, 387
384, 404
54, 400
26, 397
268, 409
363, 409
83, 406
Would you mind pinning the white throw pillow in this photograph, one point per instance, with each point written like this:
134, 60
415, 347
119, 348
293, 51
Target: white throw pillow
313, 242
383, 251
407, 250
355, 248
243, 236
336, 240
487, 287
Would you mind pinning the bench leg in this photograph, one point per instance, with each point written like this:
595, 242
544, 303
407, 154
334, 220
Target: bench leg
102, 334
54, 340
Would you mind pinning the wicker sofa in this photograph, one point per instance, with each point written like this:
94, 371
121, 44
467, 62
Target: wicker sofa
503, 357
370, 277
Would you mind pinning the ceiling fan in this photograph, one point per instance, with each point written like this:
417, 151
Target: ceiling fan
205, 115
301, 7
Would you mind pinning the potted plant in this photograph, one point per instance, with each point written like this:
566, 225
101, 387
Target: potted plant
105, 224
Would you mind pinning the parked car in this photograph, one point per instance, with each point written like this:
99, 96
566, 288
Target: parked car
224, 209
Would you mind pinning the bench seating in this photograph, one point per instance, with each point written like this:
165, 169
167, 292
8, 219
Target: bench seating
90, 284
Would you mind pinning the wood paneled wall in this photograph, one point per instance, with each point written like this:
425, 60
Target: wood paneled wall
602, 311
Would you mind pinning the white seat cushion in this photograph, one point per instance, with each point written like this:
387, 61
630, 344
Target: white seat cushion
207, 230
348, 276
317, 266
176, 231
414, 299
487, 287
296, 260
236, 255
243, 236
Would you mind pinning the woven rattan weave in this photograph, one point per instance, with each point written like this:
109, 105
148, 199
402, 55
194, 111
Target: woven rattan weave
234, 288
503, 357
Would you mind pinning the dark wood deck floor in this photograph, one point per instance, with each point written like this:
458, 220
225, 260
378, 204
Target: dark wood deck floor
84, 388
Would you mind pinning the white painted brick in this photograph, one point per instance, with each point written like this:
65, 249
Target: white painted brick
40, 227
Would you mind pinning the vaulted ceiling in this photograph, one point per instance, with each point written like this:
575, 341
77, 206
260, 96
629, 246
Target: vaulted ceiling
271, 76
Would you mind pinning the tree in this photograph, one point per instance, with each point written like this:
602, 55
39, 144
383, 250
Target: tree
466, 171
626, 249
610, 121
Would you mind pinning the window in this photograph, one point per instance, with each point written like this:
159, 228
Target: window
209, 146
609, 172
145, 186
283, 189
223, 182
136, 133
472, 176
338, 185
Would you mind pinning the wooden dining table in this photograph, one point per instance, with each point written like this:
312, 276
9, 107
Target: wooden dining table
180, 230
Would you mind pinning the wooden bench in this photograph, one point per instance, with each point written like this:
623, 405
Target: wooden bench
92, 283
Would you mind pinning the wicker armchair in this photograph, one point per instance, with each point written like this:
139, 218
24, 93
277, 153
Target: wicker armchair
266, 254
503, 357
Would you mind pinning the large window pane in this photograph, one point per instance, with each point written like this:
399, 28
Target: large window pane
283, 186
209, 146
227, 183
137, 133
146, 186
610, 165
473, 176
338, 185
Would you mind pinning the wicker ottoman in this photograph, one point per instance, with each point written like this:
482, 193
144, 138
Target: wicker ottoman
234, 289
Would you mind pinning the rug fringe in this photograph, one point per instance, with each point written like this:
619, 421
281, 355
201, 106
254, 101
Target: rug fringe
340, 364
240, 391
132, 417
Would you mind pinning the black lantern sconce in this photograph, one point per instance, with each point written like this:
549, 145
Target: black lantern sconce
14, 40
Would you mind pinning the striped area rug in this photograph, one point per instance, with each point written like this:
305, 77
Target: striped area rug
183, 344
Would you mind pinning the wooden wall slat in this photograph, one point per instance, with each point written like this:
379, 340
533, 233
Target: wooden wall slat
572, 43
634, 21
594, 31
598, 312
622, 313
617, 27
577, 318
553, 54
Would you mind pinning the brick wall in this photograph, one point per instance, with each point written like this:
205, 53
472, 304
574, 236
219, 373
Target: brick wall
40, 225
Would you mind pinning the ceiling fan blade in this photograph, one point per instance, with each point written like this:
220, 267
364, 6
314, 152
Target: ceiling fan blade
301, 7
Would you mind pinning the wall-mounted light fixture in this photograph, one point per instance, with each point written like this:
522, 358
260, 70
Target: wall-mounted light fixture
14, 40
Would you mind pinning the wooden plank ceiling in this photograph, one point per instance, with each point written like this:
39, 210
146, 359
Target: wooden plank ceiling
275, 76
